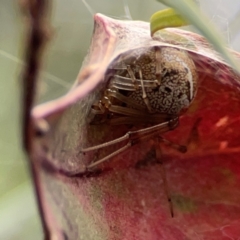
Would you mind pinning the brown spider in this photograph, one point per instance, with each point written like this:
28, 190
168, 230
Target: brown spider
151, 86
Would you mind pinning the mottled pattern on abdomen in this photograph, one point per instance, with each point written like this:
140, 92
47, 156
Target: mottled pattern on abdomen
170, 97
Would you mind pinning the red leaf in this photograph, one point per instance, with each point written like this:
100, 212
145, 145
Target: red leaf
127, 198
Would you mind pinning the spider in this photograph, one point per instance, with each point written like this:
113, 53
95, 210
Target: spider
151, 86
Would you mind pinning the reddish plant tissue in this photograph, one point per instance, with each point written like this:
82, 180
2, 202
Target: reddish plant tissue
125, 198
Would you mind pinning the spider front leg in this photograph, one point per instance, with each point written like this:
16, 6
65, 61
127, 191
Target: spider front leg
133, 138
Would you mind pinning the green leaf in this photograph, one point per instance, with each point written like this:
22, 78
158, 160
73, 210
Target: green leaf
166, 18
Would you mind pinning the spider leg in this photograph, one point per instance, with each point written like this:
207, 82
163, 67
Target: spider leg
120, 150
133, 137
158, 153
98, 108
158, 64
133, 78
144, 94
132, 140
124, 99
125, 83
130, 114
178, 147
159, 128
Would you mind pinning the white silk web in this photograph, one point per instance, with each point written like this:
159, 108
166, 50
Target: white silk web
225, 15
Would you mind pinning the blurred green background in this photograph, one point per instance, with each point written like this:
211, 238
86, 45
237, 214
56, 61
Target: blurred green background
72, 25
